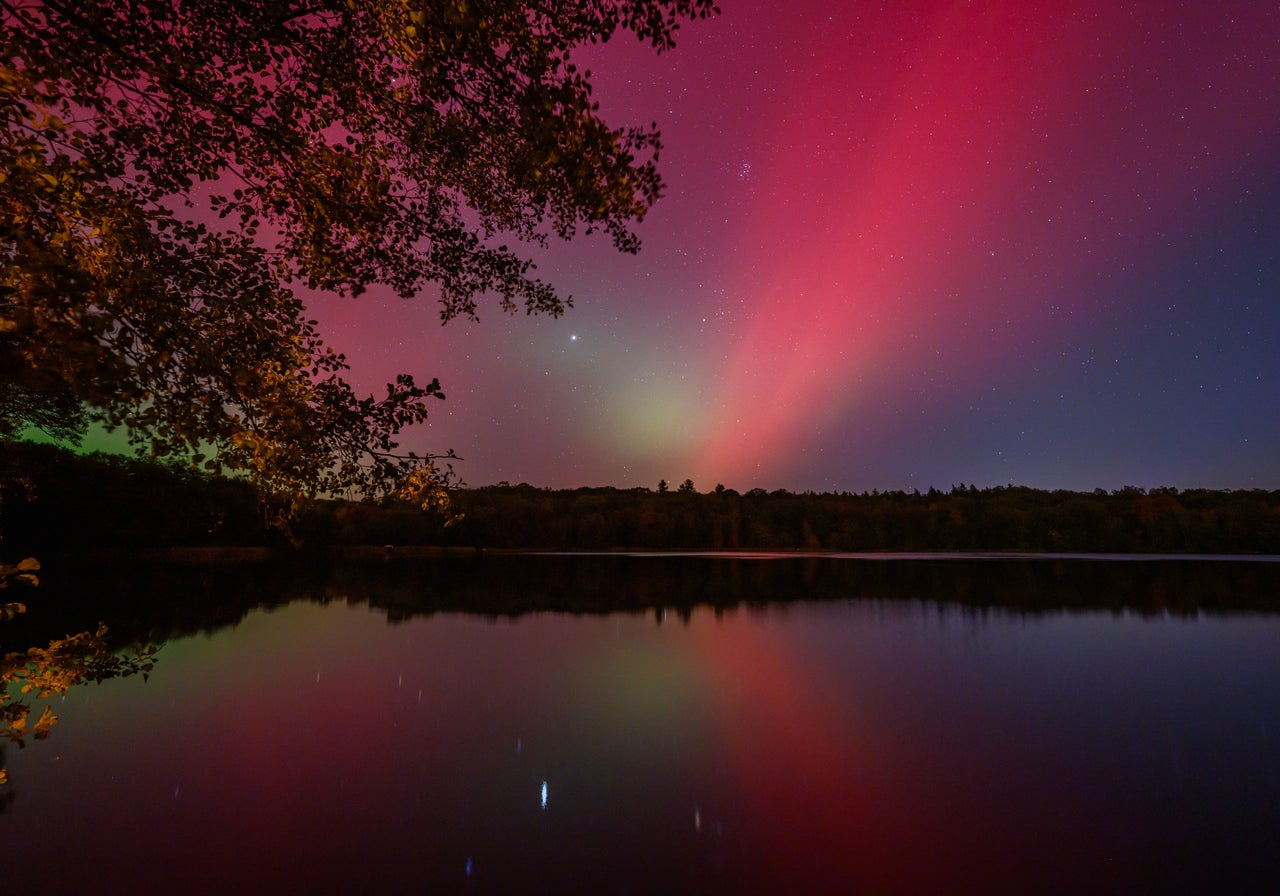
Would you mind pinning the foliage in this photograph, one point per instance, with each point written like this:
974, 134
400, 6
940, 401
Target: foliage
56, 412
45, 671
42, 672
24, 574
422, 490
171, 170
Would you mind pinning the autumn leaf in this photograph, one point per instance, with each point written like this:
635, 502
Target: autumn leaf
429, 148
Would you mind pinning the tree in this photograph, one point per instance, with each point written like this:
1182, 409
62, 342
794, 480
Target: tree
686, 486
171, 170
42, 672
56, 411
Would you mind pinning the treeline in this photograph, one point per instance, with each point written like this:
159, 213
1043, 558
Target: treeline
52, 498
1014, 518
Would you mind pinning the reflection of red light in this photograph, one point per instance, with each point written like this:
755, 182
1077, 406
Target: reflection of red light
819, 814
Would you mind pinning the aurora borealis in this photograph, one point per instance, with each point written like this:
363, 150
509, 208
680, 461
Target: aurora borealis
902, 245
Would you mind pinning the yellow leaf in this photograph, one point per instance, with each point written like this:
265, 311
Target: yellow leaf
46, 721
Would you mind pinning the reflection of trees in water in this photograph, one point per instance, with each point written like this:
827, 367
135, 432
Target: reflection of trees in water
170, 600
40, 673
149, 603
506, 585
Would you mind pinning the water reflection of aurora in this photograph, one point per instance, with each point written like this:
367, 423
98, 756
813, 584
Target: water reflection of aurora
891, 743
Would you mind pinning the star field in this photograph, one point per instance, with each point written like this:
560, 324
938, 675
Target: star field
901, 245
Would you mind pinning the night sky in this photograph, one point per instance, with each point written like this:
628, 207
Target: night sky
903, 244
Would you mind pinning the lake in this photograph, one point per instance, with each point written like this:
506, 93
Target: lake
631, 724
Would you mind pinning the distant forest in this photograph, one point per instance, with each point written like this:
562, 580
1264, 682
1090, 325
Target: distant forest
52, 500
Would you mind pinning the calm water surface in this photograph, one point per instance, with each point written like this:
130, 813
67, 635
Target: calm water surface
857, 744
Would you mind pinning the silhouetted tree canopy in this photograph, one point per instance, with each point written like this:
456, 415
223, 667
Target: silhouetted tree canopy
55, 410
334, 145
57, 502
